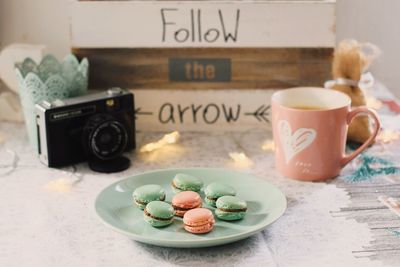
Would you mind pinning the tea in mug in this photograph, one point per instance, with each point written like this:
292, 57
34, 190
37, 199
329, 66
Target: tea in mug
308, 107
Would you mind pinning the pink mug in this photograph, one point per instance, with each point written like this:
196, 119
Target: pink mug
310, 130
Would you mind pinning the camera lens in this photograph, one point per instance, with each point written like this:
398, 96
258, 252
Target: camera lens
104, 137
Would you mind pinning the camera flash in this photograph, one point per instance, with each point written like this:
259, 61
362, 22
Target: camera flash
110, 102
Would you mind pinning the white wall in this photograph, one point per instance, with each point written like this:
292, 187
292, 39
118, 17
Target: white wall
376, 21
35, 21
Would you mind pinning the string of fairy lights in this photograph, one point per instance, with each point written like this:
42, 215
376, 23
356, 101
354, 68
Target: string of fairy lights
241, 160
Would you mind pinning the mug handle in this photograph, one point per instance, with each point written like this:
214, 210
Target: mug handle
377, 125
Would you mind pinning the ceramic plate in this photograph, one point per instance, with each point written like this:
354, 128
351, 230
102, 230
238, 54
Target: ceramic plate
266, 203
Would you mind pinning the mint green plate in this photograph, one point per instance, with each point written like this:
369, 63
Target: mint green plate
266, 203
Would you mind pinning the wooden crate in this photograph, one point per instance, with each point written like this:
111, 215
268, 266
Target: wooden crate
199, 68
191, 62
262, 44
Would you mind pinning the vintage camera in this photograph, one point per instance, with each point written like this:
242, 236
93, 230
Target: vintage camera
97, 127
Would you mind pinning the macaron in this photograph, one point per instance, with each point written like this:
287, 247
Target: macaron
159, 213
147, 193
184, 201
215, 190
198, 221
230, 208
186, 182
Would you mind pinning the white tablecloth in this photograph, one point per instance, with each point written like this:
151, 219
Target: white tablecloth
44, 222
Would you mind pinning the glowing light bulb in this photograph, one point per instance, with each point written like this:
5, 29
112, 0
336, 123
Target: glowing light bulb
387, 136
268, 145
240, 159
61, 185
373, 102
167, 139
392, 203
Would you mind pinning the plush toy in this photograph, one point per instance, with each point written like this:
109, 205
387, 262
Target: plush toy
350, 63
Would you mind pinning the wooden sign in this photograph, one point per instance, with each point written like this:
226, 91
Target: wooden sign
264, 23
202, 110
204, 44
200, 68
204, 65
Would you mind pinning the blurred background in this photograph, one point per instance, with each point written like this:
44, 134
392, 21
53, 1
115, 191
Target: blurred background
377, 21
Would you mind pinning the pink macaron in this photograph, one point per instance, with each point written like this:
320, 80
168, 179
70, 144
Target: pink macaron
198, 221
184, 201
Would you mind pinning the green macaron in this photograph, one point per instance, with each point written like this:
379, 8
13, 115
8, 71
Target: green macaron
186, 182
230, 208
216, 190
147, 193
159, 213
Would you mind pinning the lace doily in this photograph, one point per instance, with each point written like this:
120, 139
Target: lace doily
41, 227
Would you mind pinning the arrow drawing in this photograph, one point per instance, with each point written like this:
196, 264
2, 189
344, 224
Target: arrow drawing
260, 114
139, 112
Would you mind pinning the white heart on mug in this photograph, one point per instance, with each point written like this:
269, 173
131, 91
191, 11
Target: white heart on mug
294, 143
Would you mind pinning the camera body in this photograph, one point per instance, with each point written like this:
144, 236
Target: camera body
98, 127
